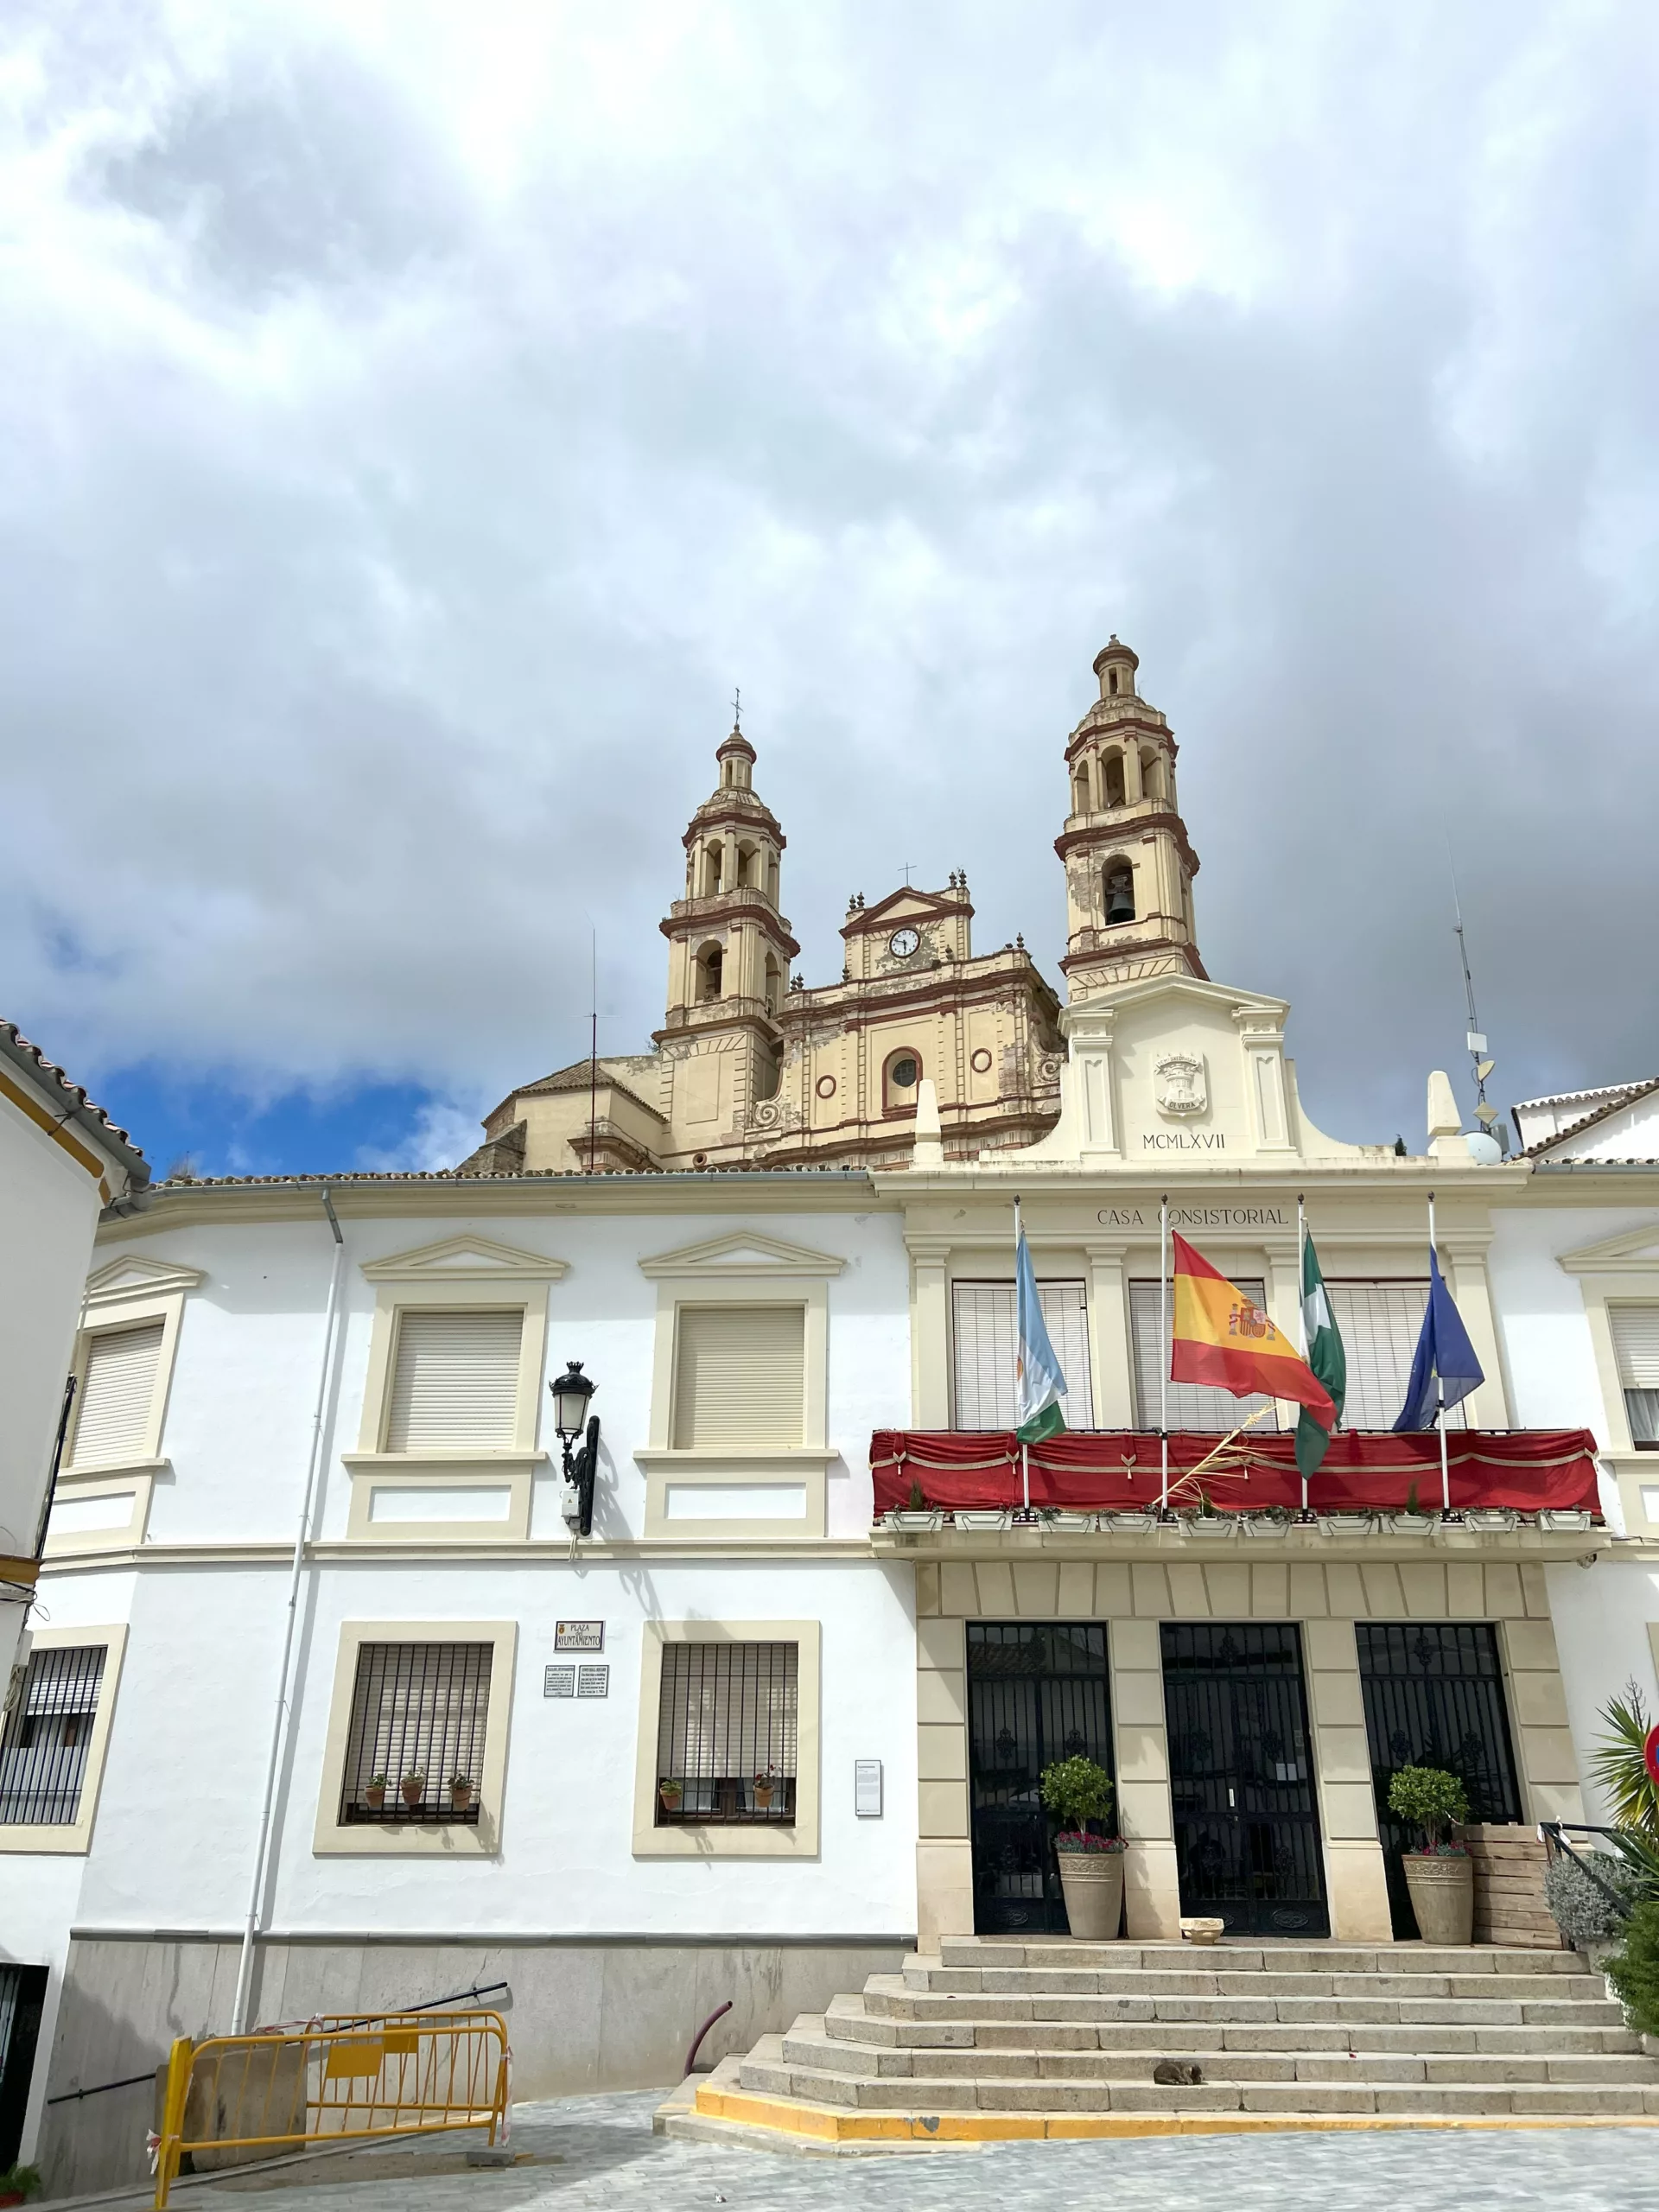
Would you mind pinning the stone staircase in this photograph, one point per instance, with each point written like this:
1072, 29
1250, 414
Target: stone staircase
998, 2038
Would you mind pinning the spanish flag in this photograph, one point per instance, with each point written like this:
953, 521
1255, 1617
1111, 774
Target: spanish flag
1222, 1337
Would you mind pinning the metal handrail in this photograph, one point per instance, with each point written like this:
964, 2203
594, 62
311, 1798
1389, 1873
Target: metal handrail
1554, 1835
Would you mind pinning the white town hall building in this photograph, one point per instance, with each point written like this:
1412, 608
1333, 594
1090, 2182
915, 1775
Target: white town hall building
775, 1721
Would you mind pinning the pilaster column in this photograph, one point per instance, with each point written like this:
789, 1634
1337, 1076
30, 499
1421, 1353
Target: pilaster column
1132, 790
930, 1332
1284, 1292
1108, 1336
1463, 1255
1262, 1043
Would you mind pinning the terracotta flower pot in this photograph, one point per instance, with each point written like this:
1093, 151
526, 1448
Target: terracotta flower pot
763, 1796
1442, 1894
460, 1796
672, 1799
375, 1795
1093, 1884
412, 1793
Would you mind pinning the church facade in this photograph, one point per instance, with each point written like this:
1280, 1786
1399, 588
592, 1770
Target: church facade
753, 1067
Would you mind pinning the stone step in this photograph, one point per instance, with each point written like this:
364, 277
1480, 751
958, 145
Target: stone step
1164, 1982
1010, 2093
854, 2020
970, 1953
806, 2045
1426, 2012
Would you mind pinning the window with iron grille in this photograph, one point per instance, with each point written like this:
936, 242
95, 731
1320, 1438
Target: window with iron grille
43, 1750
418, 1717
725, 1733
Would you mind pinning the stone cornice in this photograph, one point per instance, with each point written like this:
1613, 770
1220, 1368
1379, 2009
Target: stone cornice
1129, 831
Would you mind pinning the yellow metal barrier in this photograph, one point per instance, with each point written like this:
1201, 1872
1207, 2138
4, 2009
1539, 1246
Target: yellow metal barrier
333, 2080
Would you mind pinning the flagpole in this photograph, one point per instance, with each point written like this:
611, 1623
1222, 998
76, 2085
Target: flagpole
1163, 1346
1439, 1380
1025, 1448
1301, 1303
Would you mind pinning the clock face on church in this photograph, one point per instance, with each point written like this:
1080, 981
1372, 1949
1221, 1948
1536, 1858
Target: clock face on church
903, 942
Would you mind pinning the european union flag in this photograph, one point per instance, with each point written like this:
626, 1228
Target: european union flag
1444, 1353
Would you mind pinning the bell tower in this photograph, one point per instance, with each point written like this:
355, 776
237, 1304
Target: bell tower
1129, 864
729, 951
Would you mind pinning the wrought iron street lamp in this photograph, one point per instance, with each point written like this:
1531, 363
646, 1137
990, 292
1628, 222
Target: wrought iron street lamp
579, 1436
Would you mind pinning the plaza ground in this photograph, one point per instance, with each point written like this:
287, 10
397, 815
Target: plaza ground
581, 2154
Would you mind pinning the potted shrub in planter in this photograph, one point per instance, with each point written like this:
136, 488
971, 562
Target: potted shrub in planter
671, 1793
1077, 1791
766, 1785
374, 1792
1442, 1876
916, 1512
412, 1788
1268, 1521
460, 1792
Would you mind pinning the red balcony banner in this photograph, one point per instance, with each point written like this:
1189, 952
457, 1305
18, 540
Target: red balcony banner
1525, 1469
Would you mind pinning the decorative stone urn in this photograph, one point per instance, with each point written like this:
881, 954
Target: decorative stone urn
1093, 1883
1442, 1887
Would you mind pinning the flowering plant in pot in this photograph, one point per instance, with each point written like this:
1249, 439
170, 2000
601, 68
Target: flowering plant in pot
765, 1783
460, 1792
374, 1791
1441, 1877
412, 1787
1078, 1791
672, 1792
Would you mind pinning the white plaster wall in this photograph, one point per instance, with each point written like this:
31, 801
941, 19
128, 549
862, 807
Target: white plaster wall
178, 1814
48, 1214
238, 1430
1542, 1331
1602, 1616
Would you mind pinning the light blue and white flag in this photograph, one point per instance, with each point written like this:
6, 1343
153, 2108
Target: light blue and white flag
1038, 1385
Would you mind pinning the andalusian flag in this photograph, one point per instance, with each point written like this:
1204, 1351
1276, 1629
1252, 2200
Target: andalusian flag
1222, 1337
1325, 1357
1038, 1385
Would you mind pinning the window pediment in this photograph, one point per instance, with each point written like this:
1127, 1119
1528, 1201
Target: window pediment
1634, 1253
130, 1277
465, 1259
743, 1252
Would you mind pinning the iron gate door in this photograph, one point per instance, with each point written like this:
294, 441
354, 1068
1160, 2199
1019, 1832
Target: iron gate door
22, 1993
1241, 1777
1435, 1697
1037, 1692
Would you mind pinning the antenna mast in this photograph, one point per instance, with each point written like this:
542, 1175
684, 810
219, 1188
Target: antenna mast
1476, 1037
593, 1053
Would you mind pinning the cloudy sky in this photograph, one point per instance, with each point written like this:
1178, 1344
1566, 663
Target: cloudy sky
417, 418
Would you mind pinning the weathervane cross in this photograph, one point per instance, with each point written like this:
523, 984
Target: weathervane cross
908, 866
737, 710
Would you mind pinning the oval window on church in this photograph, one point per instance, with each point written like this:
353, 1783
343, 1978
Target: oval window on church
981, 1062
825, 1086
898, 1081
904, 1074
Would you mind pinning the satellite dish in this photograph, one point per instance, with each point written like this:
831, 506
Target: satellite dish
1484, 1148
1483, 1069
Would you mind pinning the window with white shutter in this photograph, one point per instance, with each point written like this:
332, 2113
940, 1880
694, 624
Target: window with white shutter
982, 1315
727, 1733
739, 1377
1379, 1322
455, 1382
44, 1746
118, 1387
1636, 1347
1191, 1405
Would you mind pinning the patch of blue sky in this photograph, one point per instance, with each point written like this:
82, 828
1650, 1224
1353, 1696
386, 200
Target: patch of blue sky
223, 1129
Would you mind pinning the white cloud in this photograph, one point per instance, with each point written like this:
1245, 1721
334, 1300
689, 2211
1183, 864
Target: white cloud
422, 416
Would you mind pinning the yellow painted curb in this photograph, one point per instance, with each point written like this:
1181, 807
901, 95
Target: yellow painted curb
827, 2123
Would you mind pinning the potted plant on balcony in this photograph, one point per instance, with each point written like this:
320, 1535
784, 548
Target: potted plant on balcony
460, 1792
1078, 1791
1207, 1522
412, 1787
374, 1792
915, 1512
1266, 1521
671, 1792
1442, 1876
1413, 1522
765, 1784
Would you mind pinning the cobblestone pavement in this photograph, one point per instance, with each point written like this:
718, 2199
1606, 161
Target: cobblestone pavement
598, 2151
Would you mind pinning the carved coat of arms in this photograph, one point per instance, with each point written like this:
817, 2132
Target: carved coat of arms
1181, 1085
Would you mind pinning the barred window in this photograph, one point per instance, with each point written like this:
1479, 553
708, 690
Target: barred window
43, 1750
416, 1749
725, 1733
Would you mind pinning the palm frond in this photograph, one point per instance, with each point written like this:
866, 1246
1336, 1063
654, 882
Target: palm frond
1618, 1766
